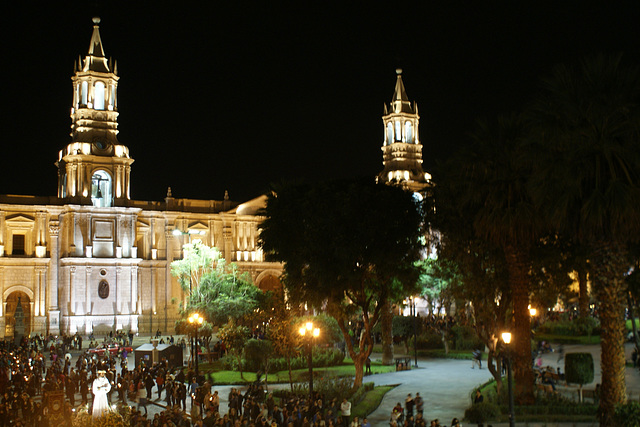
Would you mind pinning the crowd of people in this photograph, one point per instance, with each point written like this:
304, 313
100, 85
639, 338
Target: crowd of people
412, 414
101, 383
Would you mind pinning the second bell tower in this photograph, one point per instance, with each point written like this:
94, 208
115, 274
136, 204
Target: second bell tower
401, 149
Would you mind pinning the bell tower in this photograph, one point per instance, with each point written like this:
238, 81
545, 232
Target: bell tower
94, 168
401, 148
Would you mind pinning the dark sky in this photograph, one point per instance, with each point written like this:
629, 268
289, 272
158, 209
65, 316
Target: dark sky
217, 96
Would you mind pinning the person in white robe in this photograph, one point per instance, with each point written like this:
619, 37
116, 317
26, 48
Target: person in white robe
100, 388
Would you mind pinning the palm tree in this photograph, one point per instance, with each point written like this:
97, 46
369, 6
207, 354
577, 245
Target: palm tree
586, 125
492, 181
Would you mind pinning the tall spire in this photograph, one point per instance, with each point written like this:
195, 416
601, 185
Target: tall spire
400, 102
95, 60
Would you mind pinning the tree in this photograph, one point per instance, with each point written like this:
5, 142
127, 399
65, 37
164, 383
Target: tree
586, 127
282, 332
485, 187
198, 260
478, 277
579, 369
347, 247
434, 281
218, 291
235, 338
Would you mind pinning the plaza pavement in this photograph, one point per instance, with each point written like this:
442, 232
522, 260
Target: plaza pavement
444, 384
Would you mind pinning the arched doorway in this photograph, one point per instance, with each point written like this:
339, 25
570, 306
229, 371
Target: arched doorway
269, 283
24, 320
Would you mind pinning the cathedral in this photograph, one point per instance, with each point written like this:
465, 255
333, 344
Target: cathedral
92, 260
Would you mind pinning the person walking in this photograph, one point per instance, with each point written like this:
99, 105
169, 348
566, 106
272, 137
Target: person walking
419, 404
408, 406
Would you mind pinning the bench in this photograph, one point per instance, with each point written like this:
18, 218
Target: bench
590, 394
403, 363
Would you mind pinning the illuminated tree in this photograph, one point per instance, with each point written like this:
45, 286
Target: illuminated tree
219, 292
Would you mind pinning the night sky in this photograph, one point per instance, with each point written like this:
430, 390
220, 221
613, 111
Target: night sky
235, 95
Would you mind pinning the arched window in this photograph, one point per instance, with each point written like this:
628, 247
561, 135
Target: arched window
85, 89
408, 132
112, 101
398, 131
389, 133
98, 97
101, 193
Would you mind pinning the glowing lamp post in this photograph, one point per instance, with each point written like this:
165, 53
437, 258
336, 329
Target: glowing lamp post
506, 337
196, 320
310, 332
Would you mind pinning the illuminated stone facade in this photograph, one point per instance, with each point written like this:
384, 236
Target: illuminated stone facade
92, 260
401, 148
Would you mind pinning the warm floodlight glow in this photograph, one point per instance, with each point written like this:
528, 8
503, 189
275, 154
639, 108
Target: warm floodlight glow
533, 312
196, 318
506, 337
303, 331
309, 326
316, 332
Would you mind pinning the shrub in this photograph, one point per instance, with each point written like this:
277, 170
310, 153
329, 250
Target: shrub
579, 368
429, 341
628, 415
330, 387
482, 412
257, 354
228, 363
578, 327
465, 338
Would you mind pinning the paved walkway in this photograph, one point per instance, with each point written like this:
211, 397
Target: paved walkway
445, 385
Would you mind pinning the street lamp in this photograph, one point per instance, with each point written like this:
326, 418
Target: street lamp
309, 331
506, 337
412, 300
196, 320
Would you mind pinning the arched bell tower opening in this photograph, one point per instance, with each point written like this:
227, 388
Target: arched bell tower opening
101, 194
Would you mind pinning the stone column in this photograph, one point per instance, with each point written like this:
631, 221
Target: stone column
42, 284
35, 304
54, 263
118, 290
134, 290
87, 284
72, 291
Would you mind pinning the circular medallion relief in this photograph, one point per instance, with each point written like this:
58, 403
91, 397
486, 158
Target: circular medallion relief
103, 289
103, 272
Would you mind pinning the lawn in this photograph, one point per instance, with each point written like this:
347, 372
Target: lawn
370, 402
346, 369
